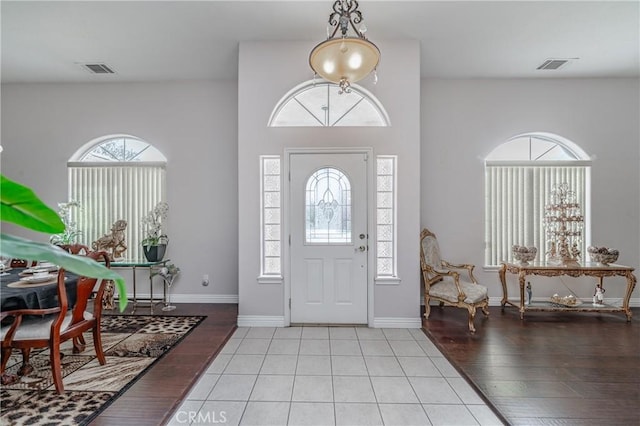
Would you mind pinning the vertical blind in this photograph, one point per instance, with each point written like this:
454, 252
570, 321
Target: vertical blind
516, 197
109, 193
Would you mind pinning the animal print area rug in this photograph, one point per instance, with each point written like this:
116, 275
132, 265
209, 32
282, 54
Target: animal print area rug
132, 344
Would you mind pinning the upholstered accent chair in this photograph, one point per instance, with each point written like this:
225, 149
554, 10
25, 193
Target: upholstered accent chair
443, 283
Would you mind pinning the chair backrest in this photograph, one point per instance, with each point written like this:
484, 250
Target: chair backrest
430, 250
84, 289
75, 248
87, 286
100, 256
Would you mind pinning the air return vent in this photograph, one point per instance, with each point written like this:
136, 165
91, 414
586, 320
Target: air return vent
553, 64
99, 68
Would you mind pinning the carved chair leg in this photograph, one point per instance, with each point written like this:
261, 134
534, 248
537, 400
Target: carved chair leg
427, 306
472, 315
485, 309
26, 366
56, 365
97, 344
6, 354
6, 378
79, 344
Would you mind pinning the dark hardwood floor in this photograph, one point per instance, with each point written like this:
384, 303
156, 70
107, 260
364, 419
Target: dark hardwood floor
153, 398
550, 369
553, 368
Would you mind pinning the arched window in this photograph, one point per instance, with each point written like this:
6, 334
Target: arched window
319, 105
122, 148
328, 207
116, 177
519, 177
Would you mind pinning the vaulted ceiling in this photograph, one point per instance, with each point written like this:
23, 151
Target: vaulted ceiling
48, 41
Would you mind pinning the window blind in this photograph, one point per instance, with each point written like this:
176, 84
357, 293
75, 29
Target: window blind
109, 193
515, 205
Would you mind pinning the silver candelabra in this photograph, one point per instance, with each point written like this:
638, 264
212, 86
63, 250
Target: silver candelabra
564, 222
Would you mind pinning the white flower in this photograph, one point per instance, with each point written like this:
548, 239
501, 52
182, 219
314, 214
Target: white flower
153, 222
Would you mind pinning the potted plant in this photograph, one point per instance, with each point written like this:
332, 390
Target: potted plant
155, 242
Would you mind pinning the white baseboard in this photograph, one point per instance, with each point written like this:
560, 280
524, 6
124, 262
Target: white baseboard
397, 322
260, 321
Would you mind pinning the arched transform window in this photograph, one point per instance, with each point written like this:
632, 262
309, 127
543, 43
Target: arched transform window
519, 177
328, 207
319, 105
116, 177
119, 149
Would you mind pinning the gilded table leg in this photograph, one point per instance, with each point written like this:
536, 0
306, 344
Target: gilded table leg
631, 284
521, 279
503, 281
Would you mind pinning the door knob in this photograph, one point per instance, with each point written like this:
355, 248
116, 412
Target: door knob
362, 248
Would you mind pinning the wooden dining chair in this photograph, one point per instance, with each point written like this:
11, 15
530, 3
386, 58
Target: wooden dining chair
48, 328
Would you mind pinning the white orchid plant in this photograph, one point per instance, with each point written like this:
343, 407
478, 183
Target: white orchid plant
71, 231
153, 222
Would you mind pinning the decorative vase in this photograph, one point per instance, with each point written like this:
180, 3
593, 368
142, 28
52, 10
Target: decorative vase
154, 253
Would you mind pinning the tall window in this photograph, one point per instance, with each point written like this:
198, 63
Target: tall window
116, 177
319, 104
386, 224
270, 203
328, 207
519, 176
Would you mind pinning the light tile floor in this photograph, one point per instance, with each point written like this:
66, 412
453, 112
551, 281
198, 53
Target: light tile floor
326, 376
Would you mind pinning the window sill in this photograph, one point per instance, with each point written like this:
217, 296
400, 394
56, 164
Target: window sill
388, 281
270, 279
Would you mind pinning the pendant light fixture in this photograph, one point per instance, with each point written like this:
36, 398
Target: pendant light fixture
345, 59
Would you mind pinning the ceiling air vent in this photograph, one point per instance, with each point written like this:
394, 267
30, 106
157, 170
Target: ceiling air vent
99, 68
553, 64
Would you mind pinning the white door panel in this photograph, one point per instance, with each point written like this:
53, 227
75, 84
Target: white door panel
328, 224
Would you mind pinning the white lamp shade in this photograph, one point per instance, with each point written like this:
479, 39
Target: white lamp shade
349, 58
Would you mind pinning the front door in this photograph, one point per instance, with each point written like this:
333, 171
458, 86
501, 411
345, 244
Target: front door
329, 242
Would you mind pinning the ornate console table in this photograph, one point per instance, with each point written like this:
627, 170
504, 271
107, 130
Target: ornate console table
583, 269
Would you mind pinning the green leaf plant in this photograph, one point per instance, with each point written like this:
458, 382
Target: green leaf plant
21, 206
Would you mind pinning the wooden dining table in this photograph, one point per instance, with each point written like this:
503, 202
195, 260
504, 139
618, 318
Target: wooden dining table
18, 294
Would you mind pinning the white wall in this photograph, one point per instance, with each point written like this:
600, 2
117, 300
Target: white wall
193, 124
463, 120
267, 72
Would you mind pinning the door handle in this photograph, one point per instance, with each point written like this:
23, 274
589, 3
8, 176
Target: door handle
361, 248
